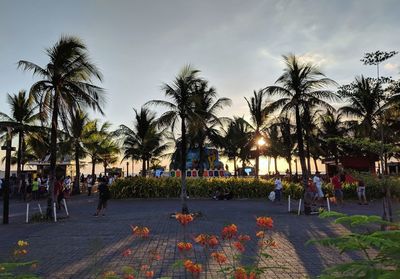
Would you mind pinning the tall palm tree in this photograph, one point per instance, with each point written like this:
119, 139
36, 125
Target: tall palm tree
66, 83
96, 136
258, 113
143, 142
77, 132
181, 92
203, 123
300, 86
234, 141
287, 139
23, 112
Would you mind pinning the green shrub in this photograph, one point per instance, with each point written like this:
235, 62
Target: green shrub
139, 187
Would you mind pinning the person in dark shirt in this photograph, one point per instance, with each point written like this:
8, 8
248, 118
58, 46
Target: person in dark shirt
104, 196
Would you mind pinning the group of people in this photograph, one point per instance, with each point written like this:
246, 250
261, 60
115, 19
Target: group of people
314, 189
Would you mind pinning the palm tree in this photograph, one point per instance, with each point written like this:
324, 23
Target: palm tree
204, 121
23, 112
181, 91
66, 83
275, 147
287, 139
258, 113
96, 136
77, 133
144, 141
108, 153
234, 141
300, 86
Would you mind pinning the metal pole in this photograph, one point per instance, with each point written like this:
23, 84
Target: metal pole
127, 169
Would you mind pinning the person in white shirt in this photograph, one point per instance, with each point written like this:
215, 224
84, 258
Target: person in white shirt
278, 187
318, 184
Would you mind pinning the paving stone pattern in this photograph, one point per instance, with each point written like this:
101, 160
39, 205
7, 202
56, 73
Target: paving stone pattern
83, 246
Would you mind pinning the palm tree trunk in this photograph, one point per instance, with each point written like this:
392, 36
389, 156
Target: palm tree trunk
234, 167
53, 155
185, 209
201, 159
315, 164
93, 168
77, 171
276, 164
105, 168
289, 161
257, 160
308, 153
19, 157
143, 166
299, 133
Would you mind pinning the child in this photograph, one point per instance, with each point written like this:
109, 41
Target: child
278, 188
361, 193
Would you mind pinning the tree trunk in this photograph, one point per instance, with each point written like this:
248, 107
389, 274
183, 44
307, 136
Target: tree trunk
105, 168
276, 164
299, 133
234, 167
308, 153
53, 154
19, 158
77, 171
201, 159
93, 167
315, 164
257, 160
143, 166
289, 161
185, 209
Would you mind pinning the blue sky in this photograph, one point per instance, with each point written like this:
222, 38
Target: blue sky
237, 45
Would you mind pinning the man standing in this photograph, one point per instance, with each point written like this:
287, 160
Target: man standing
318, 184
337, 186
278, 187
104, 196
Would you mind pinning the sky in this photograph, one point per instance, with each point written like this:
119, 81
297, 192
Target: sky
237, 45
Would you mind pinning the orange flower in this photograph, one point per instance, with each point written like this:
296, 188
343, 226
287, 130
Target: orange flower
240, 273
229, 231
265, 222
140, 231
184, 219
252, 275
149, 274
144, 267
219, 257
238, 245
260, 234
127, 253
191, 267
129, 276
201, 239
213, 241
244, 237
184, 246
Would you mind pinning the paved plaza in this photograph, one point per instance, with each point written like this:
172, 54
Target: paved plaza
84, 246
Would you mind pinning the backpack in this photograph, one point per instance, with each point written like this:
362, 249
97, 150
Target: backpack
271, 196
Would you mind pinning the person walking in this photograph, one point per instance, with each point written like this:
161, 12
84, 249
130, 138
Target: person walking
318, 184
361, 193
59, 192
35, 189
89, 181
278, 188
338, 188
104, 196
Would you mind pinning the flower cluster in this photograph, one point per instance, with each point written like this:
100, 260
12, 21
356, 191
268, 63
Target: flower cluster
265, 222
184, 219
207, 240
229, 232
193, 268
142, 232
241, 273
20, 250
219, 257
184, 246
147, 273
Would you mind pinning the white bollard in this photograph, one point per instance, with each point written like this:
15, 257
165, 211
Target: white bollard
299, 210
55, 212
27, 213
328, 204
40, 209
65, 206
288, 206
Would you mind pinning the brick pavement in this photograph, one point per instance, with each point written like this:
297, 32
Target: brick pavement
84, 246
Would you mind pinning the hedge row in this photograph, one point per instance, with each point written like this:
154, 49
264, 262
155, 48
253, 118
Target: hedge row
139, 187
